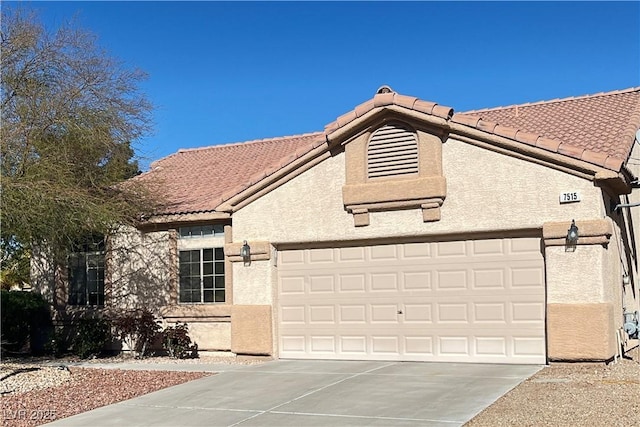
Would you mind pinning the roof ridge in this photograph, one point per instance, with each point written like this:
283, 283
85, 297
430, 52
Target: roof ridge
555, 100
252, 141
155, 163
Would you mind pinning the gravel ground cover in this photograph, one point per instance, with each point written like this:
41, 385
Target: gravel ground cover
50, 394
570, 394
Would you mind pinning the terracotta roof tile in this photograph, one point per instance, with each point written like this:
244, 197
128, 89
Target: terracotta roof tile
386, 98
198, 180
601, 123
424, 106
599, 129
364, 108
382, 99
404, 101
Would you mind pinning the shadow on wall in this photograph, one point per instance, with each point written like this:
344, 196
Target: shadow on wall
140, 272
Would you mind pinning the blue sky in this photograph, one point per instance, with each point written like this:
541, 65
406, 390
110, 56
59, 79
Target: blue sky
222, 72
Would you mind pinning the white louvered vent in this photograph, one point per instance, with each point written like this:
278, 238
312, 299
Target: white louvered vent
393, 150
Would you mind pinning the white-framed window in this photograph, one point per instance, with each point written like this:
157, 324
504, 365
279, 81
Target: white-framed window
202, 231
202, 276
86, 266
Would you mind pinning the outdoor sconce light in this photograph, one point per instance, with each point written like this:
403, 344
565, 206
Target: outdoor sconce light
245, 251
572, 233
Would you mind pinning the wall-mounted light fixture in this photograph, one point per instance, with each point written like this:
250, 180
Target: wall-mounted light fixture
572, 233
245, 251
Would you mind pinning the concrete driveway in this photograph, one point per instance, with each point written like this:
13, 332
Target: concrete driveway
319, 393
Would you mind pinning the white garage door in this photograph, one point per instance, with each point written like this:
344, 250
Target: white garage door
463, 301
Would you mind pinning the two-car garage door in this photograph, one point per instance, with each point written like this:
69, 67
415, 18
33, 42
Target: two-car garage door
465, 301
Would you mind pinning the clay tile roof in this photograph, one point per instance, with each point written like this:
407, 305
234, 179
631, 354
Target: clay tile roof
198, 180
387, 97
599, 129
592, 128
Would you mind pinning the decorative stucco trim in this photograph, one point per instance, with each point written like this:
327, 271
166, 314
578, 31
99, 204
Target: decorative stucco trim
591, 232
372, 193
228, 267
424, 189
196, 311
174, 266
251, 331
581, 332
260, 251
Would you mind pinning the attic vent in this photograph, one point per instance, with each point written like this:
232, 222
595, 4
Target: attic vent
392, 151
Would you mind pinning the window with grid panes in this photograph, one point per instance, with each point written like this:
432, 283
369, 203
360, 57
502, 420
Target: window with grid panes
202, 276
86, 273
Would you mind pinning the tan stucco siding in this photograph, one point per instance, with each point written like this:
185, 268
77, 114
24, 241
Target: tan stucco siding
252, 283
140, 269
486, 191
568, 280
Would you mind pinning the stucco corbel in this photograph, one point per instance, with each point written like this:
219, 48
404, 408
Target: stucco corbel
591, 232
260, 251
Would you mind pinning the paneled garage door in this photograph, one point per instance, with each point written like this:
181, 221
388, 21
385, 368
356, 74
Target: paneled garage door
463, 301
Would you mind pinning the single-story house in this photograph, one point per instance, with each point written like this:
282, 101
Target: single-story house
403, 231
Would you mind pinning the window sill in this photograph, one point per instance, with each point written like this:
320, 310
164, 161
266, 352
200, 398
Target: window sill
197, 311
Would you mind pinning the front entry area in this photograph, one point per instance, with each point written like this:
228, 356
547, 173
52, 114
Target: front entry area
479, 301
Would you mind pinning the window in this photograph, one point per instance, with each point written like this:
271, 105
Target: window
202, 276
86, 273
202, 231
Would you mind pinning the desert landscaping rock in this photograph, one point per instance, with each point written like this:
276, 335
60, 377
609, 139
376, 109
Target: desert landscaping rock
570, 394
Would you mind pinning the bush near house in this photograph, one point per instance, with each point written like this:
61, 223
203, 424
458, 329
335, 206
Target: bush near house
138, 329
26, 322
92, 334
176, 341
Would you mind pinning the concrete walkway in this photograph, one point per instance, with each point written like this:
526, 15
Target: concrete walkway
317, 393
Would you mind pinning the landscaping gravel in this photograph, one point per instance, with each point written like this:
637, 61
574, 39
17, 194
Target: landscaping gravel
570, 394
47, 394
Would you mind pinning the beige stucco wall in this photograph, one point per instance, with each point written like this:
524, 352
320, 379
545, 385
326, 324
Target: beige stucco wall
486, 191
252, 283
140, 266
210, 335
569, 281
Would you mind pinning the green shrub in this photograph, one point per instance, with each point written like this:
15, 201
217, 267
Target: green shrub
92, 334
26, 322
176, 341
138, 329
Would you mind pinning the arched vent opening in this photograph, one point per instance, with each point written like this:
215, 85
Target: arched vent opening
392, 151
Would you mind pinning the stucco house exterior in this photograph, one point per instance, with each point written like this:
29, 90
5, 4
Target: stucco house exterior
403, 231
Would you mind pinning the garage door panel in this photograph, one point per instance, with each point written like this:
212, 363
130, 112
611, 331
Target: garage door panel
353, 344
414, 251
351, 313
416, 280
491, 346
352, 282
471, 301
451, 280
347, 255
489, 312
